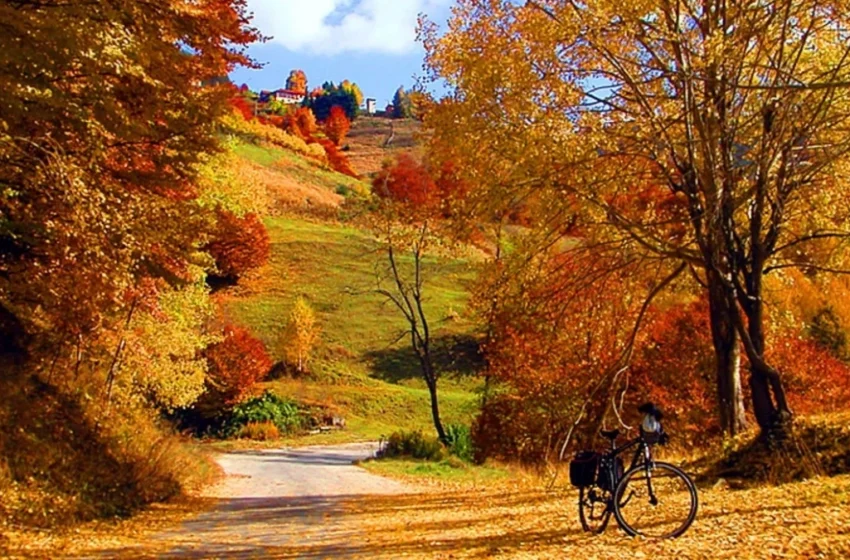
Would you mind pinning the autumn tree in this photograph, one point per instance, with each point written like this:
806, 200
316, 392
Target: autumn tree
405, 181
300, 335
402, 106
99, 153
297, 81
239, 244
331, 96
729, 108
337, 125
409, 223
354, 90
563, 329
236, 364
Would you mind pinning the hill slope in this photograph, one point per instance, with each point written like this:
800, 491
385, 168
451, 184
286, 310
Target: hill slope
363, 367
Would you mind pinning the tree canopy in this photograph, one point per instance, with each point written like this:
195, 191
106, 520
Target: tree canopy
711, 134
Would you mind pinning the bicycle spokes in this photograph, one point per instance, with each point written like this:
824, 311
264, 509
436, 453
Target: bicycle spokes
661, 501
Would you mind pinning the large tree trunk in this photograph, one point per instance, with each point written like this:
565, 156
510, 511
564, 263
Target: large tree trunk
770, 405
730, 397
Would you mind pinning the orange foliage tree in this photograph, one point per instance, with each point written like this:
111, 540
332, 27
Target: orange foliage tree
407, 181
239, 244
337, 125
99, 154
561, 337
236, 365
728, 107
297, 81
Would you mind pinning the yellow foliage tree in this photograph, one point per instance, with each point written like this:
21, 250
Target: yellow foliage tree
704, 132
300, 335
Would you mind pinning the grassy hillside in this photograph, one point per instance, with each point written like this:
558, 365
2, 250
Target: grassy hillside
363, 367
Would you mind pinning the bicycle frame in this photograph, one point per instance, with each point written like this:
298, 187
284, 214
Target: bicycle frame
643, 453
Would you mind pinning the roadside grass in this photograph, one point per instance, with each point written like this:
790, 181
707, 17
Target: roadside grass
450, 471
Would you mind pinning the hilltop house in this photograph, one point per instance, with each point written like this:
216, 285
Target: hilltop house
287, 96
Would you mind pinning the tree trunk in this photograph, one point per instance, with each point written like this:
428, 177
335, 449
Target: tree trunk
770, 405
730, 397
435, 412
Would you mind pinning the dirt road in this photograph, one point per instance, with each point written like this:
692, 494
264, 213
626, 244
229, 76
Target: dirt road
282, 504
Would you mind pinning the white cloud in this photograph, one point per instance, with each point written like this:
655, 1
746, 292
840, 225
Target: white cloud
336, 26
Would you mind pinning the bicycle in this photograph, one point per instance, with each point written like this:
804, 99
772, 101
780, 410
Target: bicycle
651, 499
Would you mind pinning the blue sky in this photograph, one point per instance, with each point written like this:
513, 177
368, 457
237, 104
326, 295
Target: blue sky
370, 42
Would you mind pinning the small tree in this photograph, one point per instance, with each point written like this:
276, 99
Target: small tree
408, 213
337, 125
402, 108
300, 335
297, 81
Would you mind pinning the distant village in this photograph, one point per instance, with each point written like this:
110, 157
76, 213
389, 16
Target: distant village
348, 95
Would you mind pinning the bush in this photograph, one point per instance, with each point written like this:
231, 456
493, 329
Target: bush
460, 441
414, 445
268, 408
337, 125
235, 364
255, 132
259, 431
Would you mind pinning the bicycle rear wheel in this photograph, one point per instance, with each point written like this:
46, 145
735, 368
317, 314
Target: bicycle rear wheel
655, 501
594, 509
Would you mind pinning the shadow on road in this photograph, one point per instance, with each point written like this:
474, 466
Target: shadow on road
330, 527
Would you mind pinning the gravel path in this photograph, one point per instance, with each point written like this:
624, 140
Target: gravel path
283, 503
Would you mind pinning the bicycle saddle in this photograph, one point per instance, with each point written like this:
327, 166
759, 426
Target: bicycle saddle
610, 434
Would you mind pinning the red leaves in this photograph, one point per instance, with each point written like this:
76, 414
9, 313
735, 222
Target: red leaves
419, 186
236, 364
337, 159
816, 381
407, 181
674, 368
337, 125
239, 244
240, 104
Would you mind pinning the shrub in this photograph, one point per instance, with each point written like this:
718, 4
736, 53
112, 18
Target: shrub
460, 441
255, 132
414, 445
336, 159
268, 408
337, 125
259, 431
235, 364
239, 244
70, 459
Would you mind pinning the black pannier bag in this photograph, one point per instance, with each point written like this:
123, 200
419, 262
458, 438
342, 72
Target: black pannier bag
583, 468
604, 479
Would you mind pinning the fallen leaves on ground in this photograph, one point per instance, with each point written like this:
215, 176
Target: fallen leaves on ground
502, 519
802, 520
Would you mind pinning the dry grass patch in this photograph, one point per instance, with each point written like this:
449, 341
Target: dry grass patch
367, 141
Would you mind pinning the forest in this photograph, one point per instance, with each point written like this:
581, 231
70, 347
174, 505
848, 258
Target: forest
581, 207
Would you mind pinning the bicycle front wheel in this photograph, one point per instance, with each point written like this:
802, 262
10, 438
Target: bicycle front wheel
655, 500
